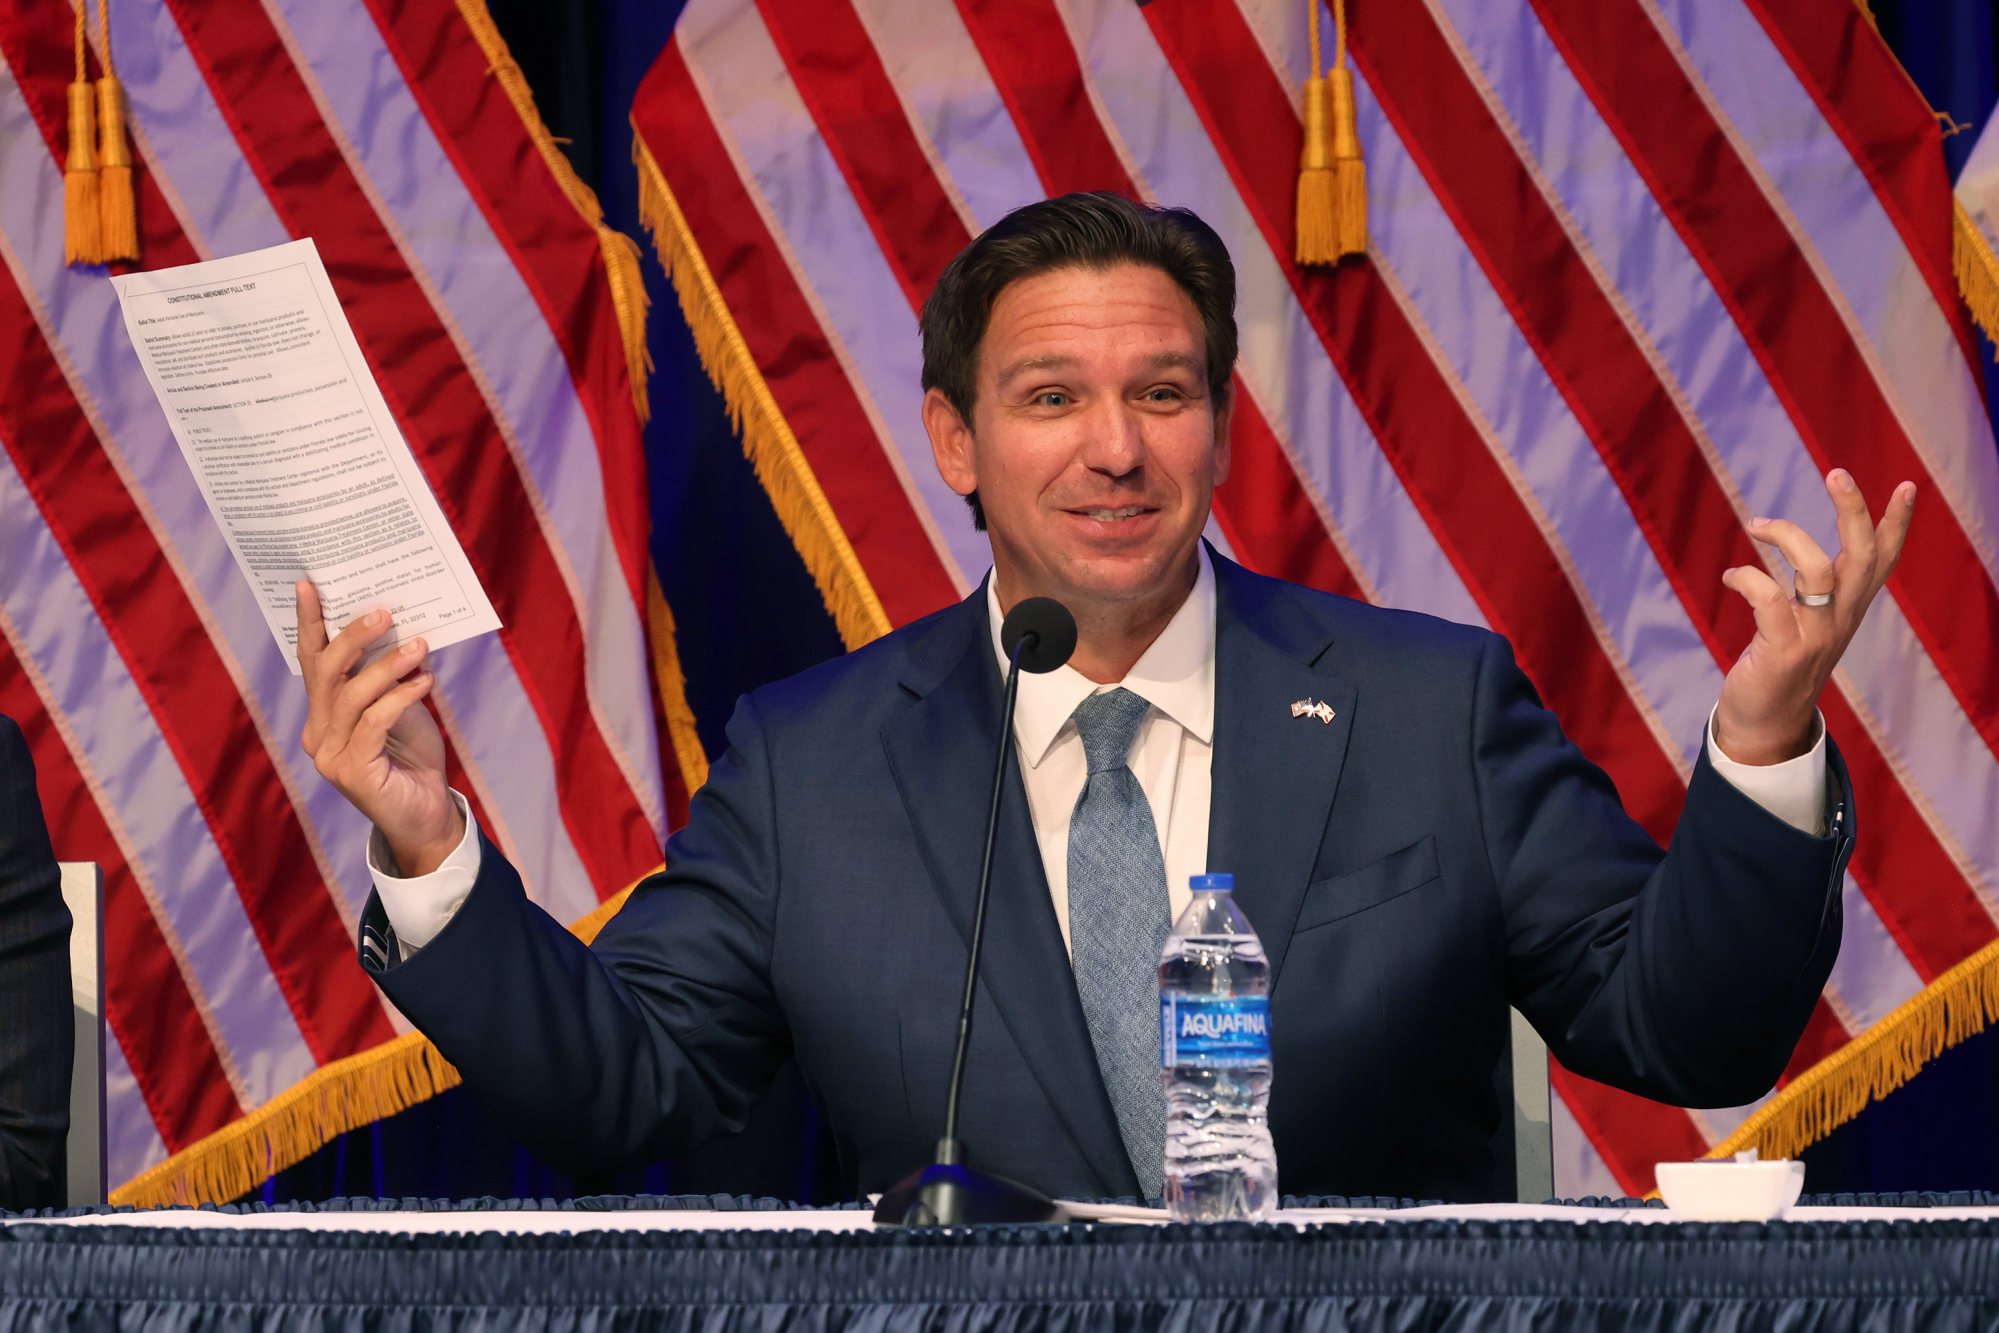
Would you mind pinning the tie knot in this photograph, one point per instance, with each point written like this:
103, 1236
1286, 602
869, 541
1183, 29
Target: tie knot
1107, 724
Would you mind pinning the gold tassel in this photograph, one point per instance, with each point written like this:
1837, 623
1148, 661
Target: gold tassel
82, 230
1318, 233
1332, 182
117, 209
117, 203
1349, 172
1318, 236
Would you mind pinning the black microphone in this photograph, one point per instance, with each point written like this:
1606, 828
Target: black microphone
1038, 635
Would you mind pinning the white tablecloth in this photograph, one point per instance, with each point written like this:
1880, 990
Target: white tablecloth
554, 1220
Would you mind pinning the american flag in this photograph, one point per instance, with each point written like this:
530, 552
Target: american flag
1639, 270
163, 721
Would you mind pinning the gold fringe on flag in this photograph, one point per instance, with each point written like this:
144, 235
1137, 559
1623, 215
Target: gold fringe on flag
1958, 1005
1332, 179
773, 450
1977, 269
82, 227
117, 201
621, 252
672, 684
330, 1101
333, 1099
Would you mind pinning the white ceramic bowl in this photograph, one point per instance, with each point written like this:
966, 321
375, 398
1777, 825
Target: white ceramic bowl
1730, 1191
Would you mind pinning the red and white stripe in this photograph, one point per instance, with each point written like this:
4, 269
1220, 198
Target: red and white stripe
1640, 269
164, 723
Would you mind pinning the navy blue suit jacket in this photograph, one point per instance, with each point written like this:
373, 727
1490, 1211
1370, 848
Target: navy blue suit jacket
37, 1029
1435, 852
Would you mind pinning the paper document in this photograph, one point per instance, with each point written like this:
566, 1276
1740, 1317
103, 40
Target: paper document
294, 449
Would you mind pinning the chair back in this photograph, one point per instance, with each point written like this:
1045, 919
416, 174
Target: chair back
1533, 1136
83, 892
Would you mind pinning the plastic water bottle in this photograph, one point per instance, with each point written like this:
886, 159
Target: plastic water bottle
1214, 1055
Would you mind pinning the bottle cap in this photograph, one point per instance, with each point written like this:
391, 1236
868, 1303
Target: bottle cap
1223, 882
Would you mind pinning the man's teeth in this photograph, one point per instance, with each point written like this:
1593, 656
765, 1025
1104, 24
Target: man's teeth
1129, 511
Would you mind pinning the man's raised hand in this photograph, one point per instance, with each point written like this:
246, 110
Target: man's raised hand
1771, 695
369, 735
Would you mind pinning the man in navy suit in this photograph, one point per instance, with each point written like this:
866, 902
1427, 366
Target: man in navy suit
1416, 843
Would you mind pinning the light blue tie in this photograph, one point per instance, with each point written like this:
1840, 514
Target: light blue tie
1118, 924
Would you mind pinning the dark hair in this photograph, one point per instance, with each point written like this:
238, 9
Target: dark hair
1073, 231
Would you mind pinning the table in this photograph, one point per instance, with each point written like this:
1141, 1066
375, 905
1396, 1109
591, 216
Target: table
725, 1264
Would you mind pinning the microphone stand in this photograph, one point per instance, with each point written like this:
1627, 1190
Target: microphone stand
947, 1192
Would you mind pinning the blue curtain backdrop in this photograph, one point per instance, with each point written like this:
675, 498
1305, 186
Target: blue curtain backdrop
748, 613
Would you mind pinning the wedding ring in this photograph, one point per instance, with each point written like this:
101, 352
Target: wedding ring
1813, 598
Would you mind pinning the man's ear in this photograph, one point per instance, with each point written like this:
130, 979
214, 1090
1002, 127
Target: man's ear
950, 442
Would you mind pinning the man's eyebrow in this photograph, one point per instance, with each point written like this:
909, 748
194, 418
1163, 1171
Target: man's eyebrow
1058, 361
1032, 364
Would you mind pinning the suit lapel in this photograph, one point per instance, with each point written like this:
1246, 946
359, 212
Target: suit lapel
939, 749
1274, 773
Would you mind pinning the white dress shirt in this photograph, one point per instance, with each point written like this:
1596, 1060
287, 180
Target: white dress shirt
421, 905
1172, 756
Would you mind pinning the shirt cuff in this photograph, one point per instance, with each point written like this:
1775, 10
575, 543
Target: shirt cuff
421, 906
1793, 790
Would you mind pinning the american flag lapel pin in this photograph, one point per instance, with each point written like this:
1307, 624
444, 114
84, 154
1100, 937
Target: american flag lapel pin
1307, 707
